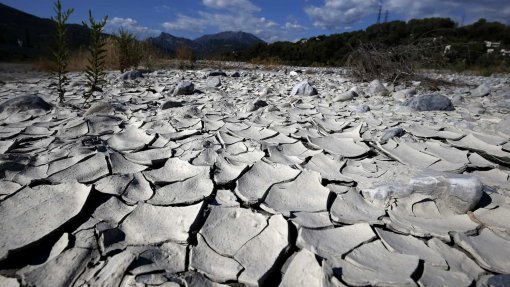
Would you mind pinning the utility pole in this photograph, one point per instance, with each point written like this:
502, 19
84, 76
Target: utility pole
379, 15
386, 16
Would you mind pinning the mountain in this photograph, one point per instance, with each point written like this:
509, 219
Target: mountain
33, 33
224, 42
169, 43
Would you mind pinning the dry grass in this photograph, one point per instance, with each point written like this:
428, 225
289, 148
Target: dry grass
368, 61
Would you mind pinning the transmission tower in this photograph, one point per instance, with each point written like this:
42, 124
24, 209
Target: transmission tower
379, 15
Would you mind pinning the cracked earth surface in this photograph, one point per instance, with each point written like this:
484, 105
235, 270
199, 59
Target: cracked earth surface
192, 178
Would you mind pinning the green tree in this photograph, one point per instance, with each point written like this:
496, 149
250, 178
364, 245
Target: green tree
128, 49
60, 51
95, 70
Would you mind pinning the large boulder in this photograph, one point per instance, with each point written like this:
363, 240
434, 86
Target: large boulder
184, 88
430, 102
304, 89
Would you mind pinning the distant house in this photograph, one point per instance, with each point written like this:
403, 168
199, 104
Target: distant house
490, 44
495, 47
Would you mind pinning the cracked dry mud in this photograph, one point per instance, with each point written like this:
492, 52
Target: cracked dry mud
192, 178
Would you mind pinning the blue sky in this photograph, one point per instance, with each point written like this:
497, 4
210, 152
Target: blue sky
271, 20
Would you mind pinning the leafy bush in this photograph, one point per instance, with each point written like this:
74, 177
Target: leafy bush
60, 52
97, 54
129, 50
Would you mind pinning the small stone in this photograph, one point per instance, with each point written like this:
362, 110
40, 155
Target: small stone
184, 88
303, 89
481, 91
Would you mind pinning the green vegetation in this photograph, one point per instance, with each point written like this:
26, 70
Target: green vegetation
61, 51
129, 50
97, 54
467, 50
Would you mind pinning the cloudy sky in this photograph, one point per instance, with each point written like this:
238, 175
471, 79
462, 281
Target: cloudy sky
271, 20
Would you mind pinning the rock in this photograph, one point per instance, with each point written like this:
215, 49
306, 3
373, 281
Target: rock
24, 104
376, 88
488, 249
392, 133
184, 88
457, 100
33, 213
304, 88
217, 74
430, 102
403, 95
131, 75
213, 82
346, 96
481, 91
149, 224
235, 75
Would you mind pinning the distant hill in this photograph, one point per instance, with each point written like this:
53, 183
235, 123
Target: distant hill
33, 33
224, 42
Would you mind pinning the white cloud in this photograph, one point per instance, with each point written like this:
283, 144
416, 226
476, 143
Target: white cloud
229, 19
338, 14
335, 14
185, 23
113, 25
235, 5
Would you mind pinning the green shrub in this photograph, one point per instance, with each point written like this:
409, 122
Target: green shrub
129, 50
97, 54
60, 52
